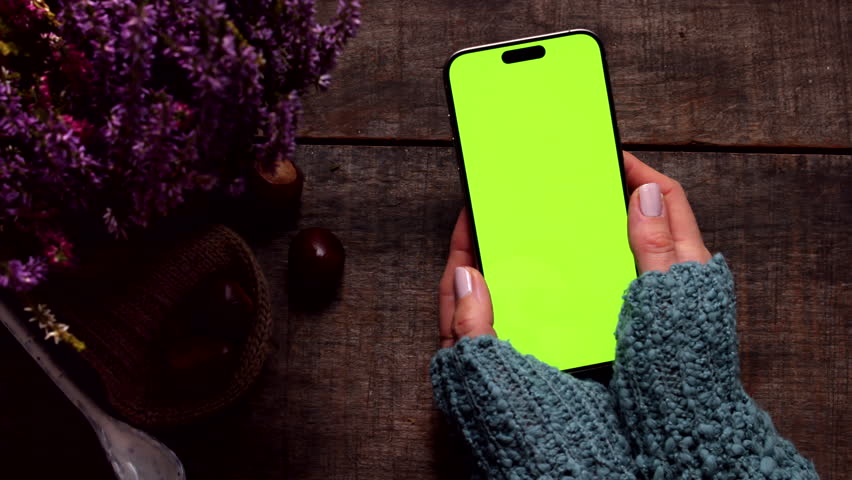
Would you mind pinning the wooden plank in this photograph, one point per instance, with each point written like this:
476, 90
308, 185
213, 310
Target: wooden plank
720, 73
358, 402
345, 394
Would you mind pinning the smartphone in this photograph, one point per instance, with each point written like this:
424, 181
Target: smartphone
541, 167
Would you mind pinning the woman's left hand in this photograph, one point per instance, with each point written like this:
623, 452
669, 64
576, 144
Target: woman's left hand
464, 299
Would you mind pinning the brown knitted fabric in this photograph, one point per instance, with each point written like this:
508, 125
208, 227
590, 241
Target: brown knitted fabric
124, 304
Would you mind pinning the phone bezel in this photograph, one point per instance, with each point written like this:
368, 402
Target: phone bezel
602, 371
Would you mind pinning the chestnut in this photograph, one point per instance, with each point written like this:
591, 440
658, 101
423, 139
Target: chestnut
316, 261
190, 354
199, 361
223, 309
233, 297
279, 187
202, 340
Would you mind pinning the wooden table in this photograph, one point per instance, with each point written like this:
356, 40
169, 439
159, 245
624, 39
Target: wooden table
748, 105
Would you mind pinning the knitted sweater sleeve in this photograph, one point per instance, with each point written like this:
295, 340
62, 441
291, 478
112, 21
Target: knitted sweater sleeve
676, 382
675, 407
524, 419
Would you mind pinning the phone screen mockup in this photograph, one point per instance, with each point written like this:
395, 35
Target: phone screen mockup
541, 164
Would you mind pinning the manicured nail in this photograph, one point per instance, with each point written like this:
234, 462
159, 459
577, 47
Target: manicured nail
650, 200
464, 282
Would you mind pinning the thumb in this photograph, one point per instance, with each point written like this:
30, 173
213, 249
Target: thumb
648, 230
473, 315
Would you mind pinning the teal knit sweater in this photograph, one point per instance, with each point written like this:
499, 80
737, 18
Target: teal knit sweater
675, 407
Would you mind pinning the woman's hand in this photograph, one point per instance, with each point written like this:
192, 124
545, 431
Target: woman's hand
661, 228
465, 304
660, 224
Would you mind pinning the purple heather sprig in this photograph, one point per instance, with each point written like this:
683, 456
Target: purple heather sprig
43, 166
120, 108
22, 276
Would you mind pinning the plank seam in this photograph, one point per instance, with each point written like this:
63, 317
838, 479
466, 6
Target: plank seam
634, 147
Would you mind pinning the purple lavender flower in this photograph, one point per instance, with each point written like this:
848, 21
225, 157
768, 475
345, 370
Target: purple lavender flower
21, 276
120, 108
43, 166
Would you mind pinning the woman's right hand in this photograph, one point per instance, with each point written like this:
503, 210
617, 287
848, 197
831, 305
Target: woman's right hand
661, 229
660, 223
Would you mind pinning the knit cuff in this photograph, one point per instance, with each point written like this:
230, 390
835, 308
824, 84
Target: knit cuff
676, 382
679, 326
525, 419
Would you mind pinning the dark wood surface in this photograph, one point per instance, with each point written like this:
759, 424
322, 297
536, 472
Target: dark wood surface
722, 73
345, 392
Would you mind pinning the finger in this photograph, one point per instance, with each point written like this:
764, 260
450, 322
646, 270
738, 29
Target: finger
684, 229
639, 173
461, 254
648, 230
473, 315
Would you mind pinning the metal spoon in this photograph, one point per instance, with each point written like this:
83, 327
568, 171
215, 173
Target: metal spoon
134, 454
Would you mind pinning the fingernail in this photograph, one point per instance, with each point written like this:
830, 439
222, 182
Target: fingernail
650, 200
463, 282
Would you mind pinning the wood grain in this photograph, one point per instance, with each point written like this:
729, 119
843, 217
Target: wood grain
351, 397
346, 394
719, 73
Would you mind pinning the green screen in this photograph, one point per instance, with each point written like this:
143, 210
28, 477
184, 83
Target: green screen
540, 157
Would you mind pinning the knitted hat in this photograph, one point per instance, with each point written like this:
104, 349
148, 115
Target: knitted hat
127, 304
